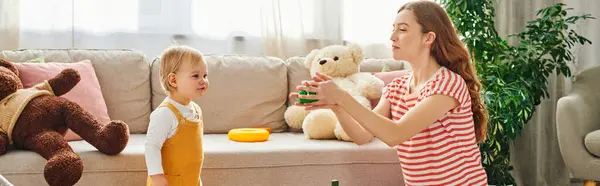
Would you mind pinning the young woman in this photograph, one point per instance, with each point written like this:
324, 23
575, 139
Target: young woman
434, 116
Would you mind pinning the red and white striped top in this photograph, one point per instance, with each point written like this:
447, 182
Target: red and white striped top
445, 153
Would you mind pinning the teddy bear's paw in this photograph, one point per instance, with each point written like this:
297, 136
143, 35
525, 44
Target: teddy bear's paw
320, 124
70, 73
370, 89
363, 101
63, 169
63, 82
10, 84
294, 116
340, 134
115, 135
3, 143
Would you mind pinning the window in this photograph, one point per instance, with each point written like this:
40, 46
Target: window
41, 15
106, 15
209, 25
369, 22
223, 18
219, 19
81, 15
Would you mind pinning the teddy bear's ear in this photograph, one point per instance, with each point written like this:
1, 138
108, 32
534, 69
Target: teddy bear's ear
7, 64
310, 57
357, 53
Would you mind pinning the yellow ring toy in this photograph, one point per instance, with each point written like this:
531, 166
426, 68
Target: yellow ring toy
248, 134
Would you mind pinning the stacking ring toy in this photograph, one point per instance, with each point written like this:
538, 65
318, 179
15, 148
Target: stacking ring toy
303, 92
248, 134
266, 128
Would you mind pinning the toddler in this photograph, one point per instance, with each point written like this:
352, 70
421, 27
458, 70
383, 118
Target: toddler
173, 147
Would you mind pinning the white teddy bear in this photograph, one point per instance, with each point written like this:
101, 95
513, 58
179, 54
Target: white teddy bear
342, 64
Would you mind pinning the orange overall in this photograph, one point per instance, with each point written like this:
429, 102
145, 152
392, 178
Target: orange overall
182, 154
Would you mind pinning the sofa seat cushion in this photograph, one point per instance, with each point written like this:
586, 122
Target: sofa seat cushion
131, 159
292, 149
592, 142
282, 149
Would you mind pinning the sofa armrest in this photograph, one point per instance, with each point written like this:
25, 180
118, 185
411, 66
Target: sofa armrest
578, 114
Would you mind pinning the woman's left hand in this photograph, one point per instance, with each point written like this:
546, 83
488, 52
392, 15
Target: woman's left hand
327, 92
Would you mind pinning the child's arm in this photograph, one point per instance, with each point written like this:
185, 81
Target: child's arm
162, 121
159, 180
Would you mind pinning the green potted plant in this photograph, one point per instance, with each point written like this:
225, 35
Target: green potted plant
514, 77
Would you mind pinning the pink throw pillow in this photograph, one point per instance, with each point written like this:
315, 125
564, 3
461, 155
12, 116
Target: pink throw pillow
86, 93
387, 77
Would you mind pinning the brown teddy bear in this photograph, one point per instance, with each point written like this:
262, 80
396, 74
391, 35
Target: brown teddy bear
37, 119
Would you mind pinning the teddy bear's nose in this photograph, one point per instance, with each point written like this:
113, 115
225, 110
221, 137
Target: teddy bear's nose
322, 61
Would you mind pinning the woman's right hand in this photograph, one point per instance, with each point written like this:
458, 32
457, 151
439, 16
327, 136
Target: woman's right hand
159, 180
326, 91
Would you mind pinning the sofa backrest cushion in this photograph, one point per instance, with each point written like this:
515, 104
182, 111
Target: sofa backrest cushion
87, 93
123, 76
244, 91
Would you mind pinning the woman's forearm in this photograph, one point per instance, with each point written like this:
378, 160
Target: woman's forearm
379, 126
418, 118
412, 122
356, 132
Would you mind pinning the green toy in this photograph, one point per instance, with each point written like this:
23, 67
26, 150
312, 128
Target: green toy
303, 92
335, 183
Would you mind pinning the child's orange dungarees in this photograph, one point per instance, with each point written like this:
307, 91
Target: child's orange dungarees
182, 154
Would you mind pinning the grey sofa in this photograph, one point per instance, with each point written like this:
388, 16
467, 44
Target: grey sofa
578, 126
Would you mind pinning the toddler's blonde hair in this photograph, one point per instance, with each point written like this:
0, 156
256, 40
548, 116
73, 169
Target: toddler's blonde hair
171, 60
